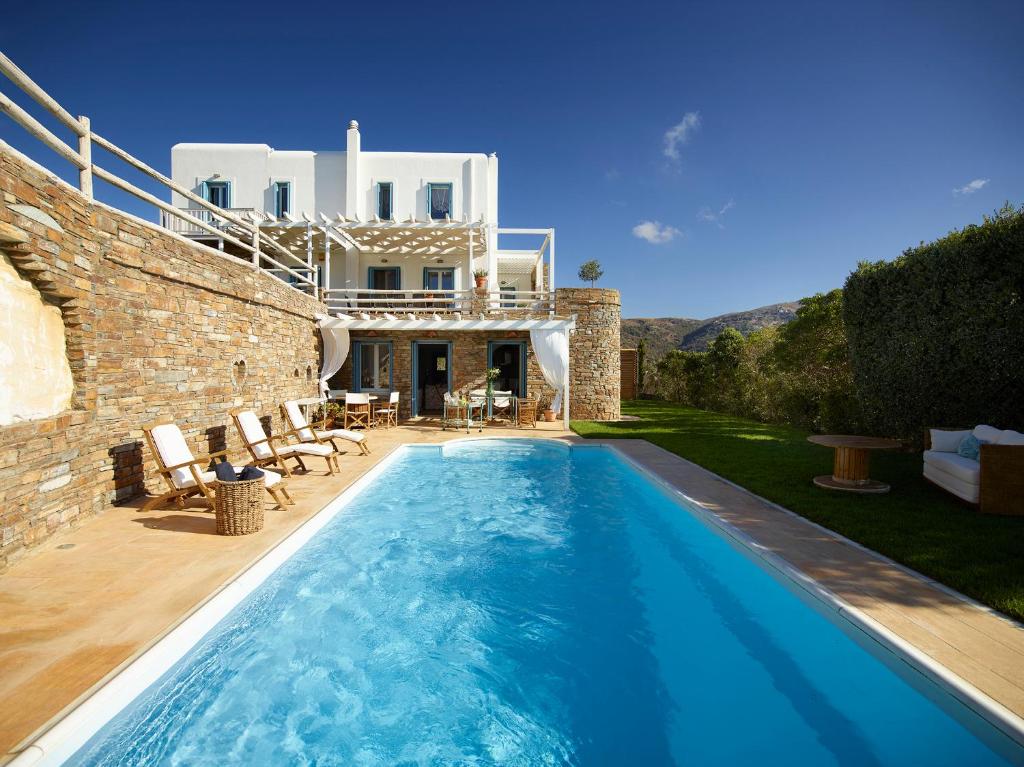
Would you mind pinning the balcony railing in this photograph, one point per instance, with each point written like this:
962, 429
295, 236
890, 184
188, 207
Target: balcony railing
422, 304
186, 227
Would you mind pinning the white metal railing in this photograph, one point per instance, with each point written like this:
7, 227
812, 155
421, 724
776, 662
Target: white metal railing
417, 303
226, 225
182, 225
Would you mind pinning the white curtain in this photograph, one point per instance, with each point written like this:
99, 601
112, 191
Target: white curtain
336, 344
552, 350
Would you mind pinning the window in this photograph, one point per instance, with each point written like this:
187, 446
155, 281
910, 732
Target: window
508, 296
385, 278
282, 198
438, 278
218, 193
384, 196
439, 201
373, 366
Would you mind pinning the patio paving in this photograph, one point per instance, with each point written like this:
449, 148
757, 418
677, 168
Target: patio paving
69, 617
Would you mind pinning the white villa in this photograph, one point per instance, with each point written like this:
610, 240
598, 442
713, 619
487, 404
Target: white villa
396, 221
425, 290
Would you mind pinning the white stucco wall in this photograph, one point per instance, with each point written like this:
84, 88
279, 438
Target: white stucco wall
252, 170
321, 183
410, 172
35, 377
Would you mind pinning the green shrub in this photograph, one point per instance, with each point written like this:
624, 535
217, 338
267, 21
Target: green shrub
937, 336
797, 374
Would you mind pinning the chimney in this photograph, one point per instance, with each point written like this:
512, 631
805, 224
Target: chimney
353, 209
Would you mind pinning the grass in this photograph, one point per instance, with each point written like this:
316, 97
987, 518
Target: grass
915, 523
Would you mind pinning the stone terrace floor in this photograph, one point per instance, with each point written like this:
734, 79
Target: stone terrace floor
71, 616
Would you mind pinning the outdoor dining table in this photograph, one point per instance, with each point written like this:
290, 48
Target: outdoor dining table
852, 460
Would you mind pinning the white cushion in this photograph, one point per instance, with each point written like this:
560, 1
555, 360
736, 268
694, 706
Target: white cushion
947, 441
270, 478
970, 492
253, 432
989, 434
298, 421
956, 465
1011, 437
357, 398
351, 436
173, 449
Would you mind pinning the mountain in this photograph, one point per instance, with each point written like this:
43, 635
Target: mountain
666, 333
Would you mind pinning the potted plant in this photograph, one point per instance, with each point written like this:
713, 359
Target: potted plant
480, 275
331, 414
549, 414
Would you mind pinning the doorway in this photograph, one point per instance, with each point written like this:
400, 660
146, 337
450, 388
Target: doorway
431, 376
509, 357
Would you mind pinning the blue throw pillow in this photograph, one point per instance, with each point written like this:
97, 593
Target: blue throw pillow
970, 447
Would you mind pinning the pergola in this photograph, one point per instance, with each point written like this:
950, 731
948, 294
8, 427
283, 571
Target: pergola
306, 238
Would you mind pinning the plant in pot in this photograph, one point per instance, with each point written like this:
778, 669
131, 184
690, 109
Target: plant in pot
549, 413
331, 414
480, 275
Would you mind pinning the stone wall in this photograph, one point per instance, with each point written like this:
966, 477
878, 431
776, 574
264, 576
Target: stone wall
155, 325
594, 361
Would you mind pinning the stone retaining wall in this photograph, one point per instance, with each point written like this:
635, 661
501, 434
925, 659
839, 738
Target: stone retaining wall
155, 325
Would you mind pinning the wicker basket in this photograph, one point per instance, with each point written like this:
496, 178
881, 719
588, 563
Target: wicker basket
239, 506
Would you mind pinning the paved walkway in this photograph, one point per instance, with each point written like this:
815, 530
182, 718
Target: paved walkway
93, 598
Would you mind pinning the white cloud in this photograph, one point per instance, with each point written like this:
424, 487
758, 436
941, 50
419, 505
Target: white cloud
972, 187
655, 232
679, 134
706, 214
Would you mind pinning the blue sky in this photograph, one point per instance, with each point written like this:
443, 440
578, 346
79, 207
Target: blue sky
714, 156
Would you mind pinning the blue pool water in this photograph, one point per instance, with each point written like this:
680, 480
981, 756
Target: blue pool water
521, 604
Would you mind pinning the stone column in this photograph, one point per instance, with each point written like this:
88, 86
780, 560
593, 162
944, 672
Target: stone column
593, 351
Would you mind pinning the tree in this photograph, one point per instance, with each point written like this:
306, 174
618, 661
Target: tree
591, 272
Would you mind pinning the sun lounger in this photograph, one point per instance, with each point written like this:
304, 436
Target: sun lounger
186, 475
273, 451
317, 433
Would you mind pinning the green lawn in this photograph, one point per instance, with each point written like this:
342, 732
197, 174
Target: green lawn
915, 523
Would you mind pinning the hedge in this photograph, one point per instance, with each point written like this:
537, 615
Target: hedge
936, 337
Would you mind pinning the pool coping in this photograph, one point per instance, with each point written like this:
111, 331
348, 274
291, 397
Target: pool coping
85, 717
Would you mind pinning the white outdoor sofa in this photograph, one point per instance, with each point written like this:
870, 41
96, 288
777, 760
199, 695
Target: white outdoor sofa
995, 482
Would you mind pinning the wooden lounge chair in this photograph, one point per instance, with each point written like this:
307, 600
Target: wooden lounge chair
186, 475
357, 409
273, 451
317, 433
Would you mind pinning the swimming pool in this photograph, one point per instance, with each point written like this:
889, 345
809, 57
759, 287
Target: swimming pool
519, 602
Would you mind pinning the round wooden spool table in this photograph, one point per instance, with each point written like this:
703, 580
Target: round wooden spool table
853, 458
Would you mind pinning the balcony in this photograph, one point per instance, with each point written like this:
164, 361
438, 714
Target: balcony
445, 304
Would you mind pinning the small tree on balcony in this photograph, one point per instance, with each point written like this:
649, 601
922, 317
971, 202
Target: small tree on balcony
591, 272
